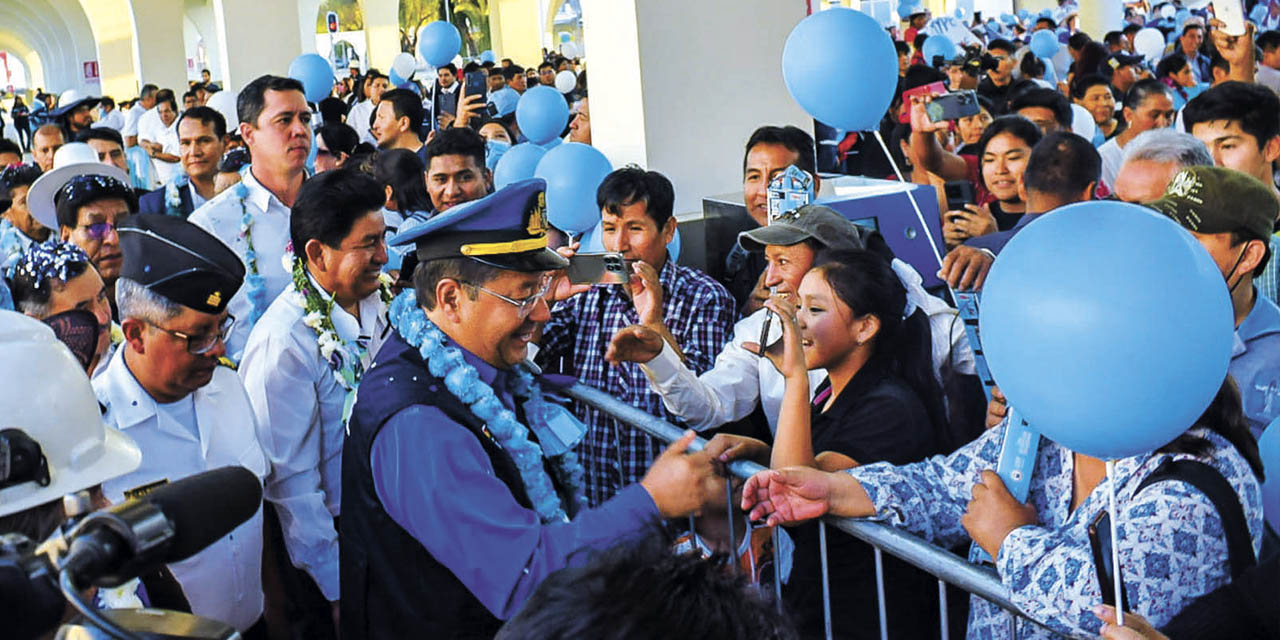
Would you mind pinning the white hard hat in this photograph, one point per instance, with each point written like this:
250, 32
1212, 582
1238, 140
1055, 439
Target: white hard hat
45, 393
70, 160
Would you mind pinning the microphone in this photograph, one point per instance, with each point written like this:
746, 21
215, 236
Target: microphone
170, 524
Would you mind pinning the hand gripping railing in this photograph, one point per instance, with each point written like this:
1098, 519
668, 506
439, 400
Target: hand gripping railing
946, 566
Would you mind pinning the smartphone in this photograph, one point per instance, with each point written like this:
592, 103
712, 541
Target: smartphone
1231, 13
952, 106
932, 88
477, 84
599, 268
958, 193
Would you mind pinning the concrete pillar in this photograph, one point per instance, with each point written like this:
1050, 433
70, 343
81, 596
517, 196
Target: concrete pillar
681, 96
381, 31
158, 43
255, 37
515, 27
307, 10
112, 25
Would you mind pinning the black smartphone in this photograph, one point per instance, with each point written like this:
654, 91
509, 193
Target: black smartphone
477, 84
953, 106
958, 194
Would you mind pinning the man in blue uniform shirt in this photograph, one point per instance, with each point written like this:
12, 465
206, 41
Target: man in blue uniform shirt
460, 491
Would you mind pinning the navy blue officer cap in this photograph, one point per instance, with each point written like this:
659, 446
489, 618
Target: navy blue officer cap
505, 229
179, 261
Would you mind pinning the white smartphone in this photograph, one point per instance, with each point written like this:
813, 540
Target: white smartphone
1231, 13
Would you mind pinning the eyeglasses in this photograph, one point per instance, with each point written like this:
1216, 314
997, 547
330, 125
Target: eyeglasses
99, 230
201, 344
524, 306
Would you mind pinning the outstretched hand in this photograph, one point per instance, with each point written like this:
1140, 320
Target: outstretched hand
788, 495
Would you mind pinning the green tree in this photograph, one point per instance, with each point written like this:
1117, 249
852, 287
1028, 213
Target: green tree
350, 17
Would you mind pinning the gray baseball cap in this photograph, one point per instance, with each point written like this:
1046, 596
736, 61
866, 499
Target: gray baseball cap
812, 221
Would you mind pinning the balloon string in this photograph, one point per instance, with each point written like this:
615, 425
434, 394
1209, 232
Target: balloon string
1115, 542
910, 196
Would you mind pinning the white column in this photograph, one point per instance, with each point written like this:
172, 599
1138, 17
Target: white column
255, 37
678, 86
158, 43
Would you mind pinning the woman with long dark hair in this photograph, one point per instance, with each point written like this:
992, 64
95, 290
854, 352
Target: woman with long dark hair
879, 402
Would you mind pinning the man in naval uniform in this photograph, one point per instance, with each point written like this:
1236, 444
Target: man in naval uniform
165, 389
458, 497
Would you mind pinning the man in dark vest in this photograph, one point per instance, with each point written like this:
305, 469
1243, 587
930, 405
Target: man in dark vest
460, 490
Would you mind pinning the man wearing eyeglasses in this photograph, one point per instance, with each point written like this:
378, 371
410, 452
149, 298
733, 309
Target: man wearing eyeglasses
450, 520
165, 387
84, 199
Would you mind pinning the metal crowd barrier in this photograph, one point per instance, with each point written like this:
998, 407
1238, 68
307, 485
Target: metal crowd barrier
946, 566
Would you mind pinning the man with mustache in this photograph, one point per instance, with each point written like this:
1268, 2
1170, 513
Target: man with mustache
253, 217
165, 388
202, 137
306, 356
84, 200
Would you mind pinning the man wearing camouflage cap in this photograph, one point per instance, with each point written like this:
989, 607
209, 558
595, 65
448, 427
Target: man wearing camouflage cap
1232, 214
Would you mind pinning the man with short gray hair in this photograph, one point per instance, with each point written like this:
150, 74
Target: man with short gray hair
188, 414
1151, 160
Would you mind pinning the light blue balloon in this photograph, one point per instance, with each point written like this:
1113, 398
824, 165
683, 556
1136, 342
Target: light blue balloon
1044, 44
1269, 450
592, 240
842, 68
1259, 13
959, 13
315, 74
673, 247
394, 78
542, 114
939, 45
1089, 338
1024, 14
555, 142
1008, 19
1046, 13
518, 163
488, 56
438, 43
573, 172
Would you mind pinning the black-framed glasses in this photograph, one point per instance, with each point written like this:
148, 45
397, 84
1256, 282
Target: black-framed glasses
524, 306
199, 345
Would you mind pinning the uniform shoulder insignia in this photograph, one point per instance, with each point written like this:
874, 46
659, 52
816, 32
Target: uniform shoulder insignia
228, 363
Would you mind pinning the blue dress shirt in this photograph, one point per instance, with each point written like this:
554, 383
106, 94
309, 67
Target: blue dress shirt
439, 485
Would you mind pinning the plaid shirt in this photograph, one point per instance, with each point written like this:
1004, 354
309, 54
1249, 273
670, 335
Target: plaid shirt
1269, 282
700, 314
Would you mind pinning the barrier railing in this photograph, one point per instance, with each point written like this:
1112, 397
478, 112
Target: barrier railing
941, 563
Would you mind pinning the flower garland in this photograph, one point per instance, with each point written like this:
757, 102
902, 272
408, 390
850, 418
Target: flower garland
173, 195
463, 381
257, 285
344, 359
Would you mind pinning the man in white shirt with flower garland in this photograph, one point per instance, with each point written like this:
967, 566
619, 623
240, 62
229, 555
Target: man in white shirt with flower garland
253, 216
307, 354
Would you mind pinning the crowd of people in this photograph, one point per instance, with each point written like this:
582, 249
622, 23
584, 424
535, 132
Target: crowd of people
336, 296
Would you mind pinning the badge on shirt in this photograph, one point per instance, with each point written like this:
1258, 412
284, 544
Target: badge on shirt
142, 490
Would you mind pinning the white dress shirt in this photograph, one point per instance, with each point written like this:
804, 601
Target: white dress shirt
299, 407
358, 119
131, 119
150, 126
740, 378
221, 217
113, 120
168, 139
223, 581
1112, 158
